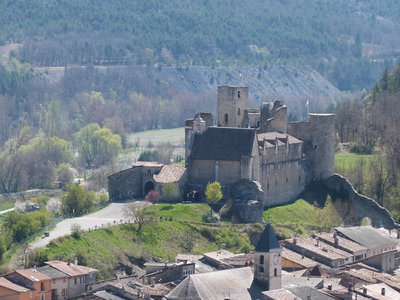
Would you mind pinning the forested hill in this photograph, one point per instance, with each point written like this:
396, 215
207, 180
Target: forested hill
348, 41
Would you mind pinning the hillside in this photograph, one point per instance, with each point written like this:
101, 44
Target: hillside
348, 41
295, 85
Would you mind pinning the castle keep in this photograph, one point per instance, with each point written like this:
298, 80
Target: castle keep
254, 153
258, 145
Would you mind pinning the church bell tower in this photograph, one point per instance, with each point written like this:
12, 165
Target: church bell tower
267, 260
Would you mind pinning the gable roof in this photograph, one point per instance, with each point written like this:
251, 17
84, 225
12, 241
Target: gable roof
232, 283
52, 272
170, 173
366, 236
268, 240
221, 143
32, 275
5, 283
69, 268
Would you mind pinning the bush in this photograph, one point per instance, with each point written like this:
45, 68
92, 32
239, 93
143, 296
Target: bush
76, 231
149, 155
361, 149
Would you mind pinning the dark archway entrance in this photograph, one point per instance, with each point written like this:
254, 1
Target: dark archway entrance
149, 186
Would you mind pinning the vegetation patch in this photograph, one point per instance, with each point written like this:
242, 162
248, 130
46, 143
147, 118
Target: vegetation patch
301, 218
175, 136
6, 204
193, 212
159, 241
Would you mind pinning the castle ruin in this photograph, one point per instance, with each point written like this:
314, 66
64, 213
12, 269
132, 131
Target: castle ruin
258, 145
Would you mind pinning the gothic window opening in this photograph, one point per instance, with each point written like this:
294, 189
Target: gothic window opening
238, 94
238, 111
226, 118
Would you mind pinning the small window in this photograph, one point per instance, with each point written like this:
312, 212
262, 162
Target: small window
275, 272
238, 94
238, 111
315, 146
261, 259
261, 269
226, 118
63, 292
76, 280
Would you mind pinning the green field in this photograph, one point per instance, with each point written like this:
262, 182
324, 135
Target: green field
346, 160
194, 212
175, 136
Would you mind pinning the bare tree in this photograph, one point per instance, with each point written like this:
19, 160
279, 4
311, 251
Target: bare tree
139, 213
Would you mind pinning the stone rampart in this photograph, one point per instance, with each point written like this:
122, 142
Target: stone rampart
340, 188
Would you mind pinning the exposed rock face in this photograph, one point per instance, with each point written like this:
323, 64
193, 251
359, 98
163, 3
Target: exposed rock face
293, 84
340, 188
248, 203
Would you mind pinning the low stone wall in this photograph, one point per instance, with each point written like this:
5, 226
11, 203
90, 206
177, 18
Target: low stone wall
340, 188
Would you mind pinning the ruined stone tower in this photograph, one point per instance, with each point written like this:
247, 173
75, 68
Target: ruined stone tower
232, 103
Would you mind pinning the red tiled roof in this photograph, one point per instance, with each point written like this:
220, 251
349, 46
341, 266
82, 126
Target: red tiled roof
170, 173
33, 275
11, 286
69, 268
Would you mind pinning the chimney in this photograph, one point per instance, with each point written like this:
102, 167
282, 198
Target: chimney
317, 240
398, 233
295, 241
383, 291
335, 239
76, 261
365, 291
330, 286
302, 254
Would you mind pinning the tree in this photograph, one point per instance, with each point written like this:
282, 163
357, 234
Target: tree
77, 200
97, 145
138, 212
170, 191
213, 193
152, 197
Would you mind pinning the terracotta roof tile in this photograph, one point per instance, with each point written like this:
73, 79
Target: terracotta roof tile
170, 173
70, 269
11, 286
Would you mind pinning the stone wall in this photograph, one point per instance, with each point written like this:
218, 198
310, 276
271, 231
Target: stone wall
126, 184
340, 188
205, 171
282, 182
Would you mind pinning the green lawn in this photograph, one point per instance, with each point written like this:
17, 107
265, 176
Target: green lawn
175, 136
183, 212
6, 204
345, 160
162, 241
301, 217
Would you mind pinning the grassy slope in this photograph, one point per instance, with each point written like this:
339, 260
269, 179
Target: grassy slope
6, 204
103, 249
302, 217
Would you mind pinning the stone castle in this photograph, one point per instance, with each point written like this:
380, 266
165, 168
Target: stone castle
254, 153
259, 146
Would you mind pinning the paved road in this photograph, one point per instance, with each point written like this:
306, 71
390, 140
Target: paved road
6, 211
103, 217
